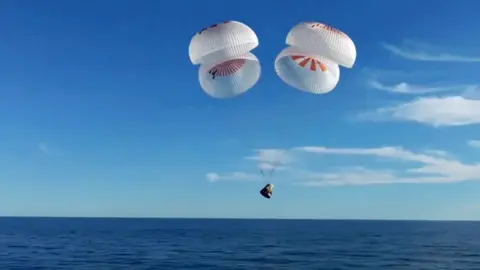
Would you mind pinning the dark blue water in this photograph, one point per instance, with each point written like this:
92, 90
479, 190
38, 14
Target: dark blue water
50, 243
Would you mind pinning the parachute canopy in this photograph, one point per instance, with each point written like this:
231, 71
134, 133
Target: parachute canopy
323, 40
307, 71
231, 77
227, 67
221, 41
311, 62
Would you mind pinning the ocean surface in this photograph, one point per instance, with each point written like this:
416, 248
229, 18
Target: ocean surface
97, 244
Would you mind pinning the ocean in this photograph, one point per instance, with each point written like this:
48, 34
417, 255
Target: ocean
102, 244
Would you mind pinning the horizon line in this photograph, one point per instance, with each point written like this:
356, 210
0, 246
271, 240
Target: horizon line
244, 218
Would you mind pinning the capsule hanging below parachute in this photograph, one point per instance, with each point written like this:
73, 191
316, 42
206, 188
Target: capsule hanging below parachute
311, 62
270, 161
267, 191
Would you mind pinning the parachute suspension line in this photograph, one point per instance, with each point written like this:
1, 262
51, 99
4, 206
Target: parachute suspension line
263, 175
271, 172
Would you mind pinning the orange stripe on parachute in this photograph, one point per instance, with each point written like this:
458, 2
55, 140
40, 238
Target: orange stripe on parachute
313, 62
304, 62
323, 67
328, 28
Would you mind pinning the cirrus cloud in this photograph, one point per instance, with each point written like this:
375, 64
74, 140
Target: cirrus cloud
428, 167
474, 143
416, 89
267, 161
419, 51
234, 176
433, 111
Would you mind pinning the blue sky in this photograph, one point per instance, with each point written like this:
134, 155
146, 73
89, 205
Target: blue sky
102, 114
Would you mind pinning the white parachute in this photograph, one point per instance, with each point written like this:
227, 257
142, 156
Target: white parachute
324, 40
311, 63
307, 72
227, 67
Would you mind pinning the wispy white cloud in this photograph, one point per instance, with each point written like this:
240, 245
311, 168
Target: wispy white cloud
44, 148
389, 74
458, 108
273, 156
472, 93
433, 111
474, 143
234, 176
416, 89
439, 153
385, 152
351, 176
418, 51
432, 166
268, 161
429, 169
